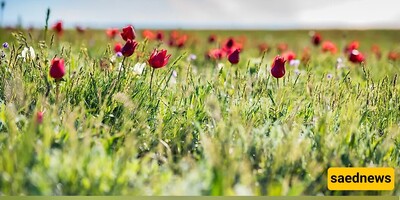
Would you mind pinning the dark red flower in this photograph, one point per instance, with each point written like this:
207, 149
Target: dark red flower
57, 69
329, 46
212, 38
129, 47
160, 35
231, 45
171, 42
117, 47
316, 39
234, 57
278, 67
112, 32
128, 33
58, 28
356, 57
159, 59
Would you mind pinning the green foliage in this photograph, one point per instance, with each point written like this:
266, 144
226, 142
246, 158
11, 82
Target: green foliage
204, 132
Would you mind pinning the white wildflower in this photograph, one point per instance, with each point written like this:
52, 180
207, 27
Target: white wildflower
220, 66
242, 190
297, 71
120, 68
23, 53
174, 74
28, 53
32, 51
138, 68
294, 63
172, 81
194, 69
339, 63
191, 57
112, 59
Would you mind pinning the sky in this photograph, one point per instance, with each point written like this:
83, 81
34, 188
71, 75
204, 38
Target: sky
208, 14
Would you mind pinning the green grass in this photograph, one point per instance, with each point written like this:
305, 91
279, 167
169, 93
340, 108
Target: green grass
211, 133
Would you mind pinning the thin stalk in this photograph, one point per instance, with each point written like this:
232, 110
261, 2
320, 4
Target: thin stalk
188, 72
57, 90
277, 82
151, 81
47, 23
122, 67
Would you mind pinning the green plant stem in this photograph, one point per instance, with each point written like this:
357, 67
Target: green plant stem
151, 81
57, 90
277, 82
122, 68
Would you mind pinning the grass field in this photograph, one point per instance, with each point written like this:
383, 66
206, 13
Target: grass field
206, 128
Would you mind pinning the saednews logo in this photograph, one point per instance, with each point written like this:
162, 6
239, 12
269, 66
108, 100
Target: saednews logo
361, 178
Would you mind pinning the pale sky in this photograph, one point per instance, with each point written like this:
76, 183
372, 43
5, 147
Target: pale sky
253, 14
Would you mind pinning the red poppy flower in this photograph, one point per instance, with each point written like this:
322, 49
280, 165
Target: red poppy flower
289, 55
39, 117
112, 32
181, 41
128, 33
263, 47
282, 47
216, 54
278, 67
57, 69
376, 50
159, 59
231, 45
173, 37
212, 38
117, 47
329, 46
148, 34
393, 56
58, 28
356, 56
129, 47
160, 35
174, 34
316, 39
354, 45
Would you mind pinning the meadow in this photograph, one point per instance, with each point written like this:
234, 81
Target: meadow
201, 126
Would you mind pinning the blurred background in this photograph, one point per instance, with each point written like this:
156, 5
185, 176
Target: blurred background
207, 14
